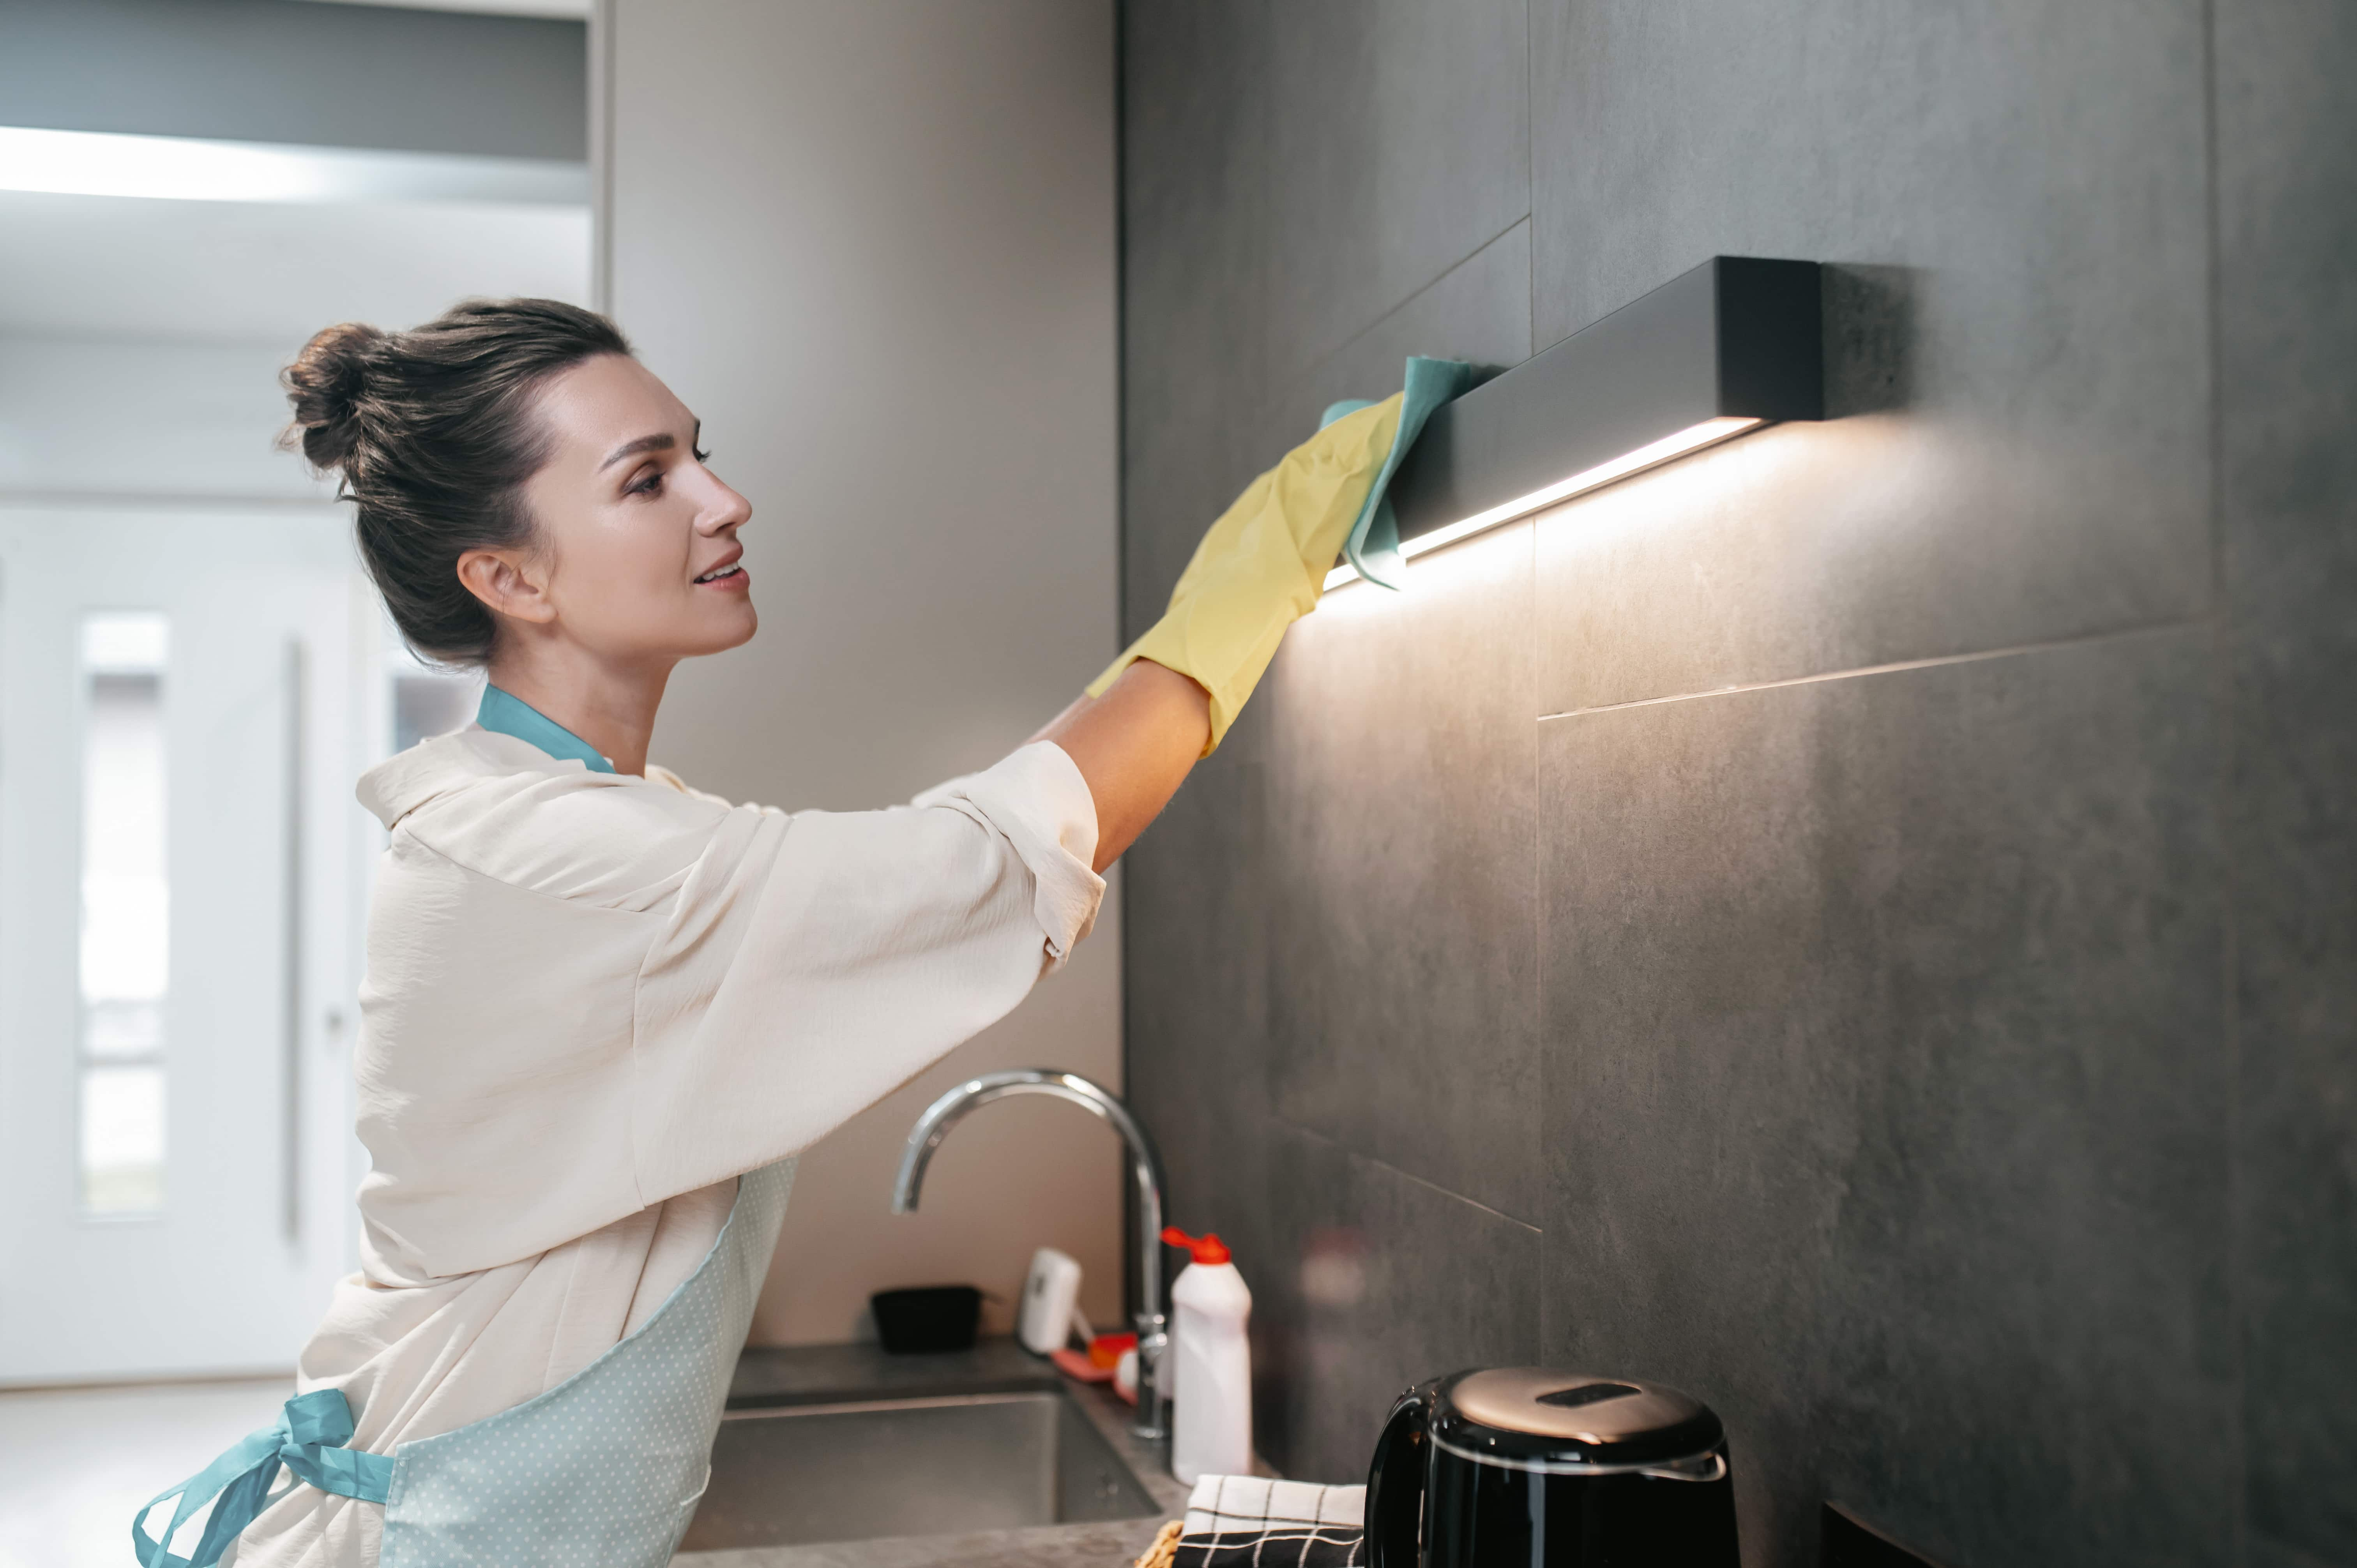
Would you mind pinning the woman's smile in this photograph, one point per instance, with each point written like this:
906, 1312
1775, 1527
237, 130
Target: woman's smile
729, 576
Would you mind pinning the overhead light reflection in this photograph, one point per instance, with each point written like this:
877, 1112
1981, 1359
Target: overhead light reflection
187, 168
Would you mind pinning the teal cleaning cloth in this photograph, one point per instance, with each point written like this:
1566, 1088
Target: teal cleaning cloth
1374, 545
513, 715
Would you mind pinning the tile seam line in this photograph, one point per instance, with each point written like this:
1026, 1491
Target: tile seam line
1530, 184
1322, 361
1333, 1142
1897, 667
2240, 1529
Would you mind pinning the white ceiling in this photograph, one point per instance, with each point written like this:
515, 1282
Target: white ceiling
224, 271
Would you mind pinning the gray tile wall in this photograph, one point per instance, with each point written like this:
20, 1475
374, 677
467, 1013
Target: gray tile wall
1860, 924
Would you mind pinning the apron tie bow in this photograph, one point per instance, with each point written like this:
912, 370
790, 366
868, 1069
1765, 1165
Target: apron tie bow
308, 1438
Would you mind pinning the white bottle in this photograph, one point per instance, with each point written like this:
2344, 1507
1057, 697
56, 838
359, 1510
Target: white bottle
1051, 1303
1208, 1364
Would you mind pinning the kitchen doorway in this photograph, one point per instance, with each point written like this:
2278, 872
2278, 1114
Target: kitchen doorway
180, 867
193, 672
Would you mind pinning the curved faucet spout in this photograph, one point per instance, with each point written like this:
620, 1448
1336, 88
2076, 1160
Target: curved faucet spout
951, 1108
1146, 1167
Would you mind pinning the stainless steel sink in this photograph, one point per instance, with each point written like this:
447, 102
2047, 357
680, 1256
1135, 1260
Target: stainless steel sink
785, 1476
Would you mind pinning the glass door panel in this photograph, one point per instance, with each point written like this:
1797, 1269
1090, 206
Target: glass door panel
185, 701
126, 936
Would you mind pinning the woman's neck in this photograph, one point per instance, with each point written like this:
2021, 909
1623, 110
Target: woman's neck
613, 710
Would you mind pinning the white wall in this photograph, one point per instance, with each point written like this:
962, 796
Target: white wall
146, 417
872, 243
131, 268
141, 340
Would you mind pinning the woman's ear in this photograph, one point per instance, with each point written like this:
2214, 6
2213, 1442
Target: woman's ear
509, 582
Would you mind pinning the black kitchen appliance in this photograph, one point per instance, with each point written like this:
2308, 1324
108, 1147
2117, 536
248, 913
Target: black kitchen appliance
1523, 1467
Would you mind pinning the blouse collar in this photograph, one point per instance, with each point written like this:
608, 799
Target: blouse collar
512, 715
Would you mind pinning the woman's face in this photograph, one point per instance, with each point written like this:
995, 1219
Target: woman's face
637, 558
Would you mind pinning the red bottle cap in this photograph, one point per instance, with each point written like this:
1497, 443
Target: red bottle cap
1105, 1349
1206, 1249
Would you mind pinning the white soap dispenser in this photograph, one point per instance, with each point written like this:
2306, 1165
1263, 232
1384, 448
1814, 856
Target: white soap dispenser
1209, 1362
1051, 1303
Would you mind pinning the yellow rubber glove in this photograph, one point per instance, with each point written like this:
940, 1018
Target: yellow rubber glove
1263, 565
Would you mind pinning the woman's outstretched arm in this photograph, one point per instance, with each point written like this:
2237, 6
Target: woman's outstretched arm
1173, 693
1134, 746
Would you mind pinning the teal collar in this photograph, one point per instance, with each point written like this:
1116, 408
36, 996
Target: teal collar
512, 715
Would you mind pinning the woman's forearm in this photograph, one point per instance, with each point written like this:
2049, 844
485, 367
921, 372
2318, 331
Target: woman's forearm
1134, 746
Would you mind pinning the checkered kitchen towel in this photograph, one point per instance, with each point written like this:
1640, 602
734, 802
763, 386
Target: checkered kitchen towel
1250, 1521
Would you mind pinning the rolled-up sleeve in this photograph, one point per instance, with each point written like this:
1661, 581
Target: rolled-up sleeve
813, 962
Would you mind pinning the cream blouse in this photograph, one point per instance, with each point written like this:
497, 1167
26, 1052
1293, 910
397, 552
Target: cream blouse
592, 1001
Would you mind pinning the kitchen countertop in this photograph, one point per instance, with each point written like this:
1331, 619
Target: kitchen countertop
821, 1374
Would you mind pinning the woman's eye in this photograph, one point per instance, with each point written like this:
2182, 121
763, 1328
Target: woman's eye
703, 456
648, 485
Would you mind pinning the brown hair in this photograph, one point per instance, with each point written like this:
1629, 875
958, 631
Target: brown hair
434, 434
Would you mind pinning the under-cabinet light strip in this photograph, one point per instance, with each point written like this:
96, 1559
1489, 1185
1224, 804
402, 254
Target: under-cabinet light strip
1692, 438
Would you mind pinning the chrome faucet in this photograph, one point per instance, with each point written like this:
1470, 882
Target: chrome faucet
1146, 1167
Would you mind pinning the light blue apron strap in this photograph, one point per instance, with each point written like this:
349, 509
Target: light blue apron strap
308, 1439
254, 1450
318, 1425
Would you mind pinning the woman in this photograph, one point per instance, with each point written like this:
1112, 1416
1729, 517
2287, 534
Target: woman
603, 1011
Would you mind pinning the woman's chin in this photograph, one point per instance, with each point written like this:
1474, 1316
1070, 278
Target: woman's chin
721, 634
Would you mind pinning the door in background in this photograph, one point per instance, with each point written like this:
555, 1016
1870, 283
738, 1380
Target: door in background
184, 703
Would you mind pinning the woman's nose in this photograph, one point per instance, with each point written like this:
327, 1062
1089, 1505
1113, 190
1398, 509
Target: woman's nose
726, 510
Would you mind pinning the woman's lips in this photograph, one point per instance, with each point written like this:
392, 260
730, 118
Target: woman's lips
732, 575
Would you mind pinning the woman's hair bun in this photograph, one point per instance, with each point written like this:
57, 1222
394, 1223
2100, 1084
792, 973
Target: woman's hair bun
324, 384
434, 431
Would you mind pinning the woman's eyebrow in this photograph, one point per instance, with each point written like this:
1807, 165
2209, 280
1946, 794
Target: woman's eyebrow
632, 448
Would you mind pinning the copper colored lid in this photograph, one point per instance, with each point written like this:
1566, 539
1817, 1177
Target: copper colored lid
1532, 1412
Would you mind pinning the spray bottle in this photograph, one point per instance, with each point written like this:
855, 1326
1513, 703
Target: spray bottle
1210, 1363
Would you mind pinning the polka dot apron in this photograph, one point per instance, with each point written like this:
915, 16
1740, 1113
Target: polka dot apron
606, 1467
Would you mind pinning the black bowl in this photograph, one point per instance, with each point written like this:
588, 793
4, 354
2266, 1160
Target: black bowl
926, 1318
